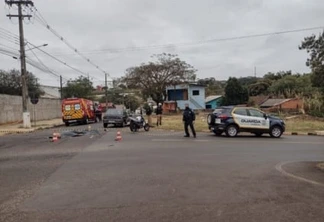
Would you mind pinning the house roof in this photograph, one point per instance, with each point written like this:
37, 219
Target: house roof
185, 85
258, 100
273, 102
51, 92
211, 98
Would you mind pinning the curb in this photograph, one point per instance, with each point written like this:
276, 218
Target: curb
303, 134
10, 131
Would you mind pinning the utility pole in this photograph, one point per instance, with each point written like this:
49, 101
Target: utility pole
61, 87
106, 91
255, 71
20, 16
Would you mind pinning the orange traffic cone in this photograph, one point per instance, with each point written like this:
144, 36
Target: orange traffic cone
118, 136
55, 137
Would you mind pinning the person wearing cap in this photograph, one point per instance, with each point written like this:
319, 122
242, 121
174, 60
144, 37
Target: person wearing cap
158, 113
188, 119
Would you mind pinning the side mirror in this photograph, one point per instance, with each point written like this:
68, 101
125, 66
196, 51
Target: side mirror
265, 115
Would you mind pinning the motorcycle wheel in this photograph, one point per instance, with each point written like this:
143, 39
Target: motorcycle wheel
132, 127
147, 127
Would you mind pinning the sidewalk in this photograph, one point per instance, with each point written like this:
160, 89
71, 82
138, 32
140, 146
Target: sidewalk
17, 127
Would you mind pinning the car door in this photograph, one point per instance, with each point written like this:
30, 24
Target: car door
240, 117
257, 119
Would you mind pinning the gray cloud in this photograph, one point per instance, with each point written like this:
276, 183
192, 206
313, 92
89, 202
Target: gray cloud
92, 26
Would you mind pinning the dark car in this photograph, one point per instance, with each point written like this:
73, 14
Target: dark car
233, 119
116, 117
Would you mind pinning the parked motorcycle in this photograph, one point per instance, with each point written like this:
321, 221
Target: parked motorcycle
137, 123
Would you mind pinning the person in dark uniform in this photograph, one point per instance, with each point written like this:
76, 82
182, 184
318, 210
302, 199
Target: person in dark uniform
188, 119
158, 112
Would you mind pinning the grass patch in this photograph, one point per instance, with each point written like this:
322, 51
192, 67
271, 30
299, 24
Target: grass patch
174, 122
304, 124
298, 124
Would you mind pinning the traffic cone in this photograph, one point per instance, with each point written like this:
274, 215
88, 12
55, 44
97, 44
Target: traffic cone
55, 137
118, 136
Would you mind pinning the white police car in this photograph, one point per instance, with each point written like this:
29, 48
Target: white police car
233, 119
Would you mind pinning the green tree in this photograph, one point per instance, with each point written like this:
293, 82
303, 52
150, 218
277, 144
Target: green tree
81, 87
246, 81
10, 83
153, 77
131, 102
213, 87
235, 93
315, 47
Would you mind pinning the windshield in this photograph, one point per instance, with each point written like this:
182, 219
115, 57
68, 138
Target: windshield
114, 112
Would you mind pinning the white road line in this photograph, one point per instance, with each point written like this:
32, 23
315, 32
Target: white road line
279, 168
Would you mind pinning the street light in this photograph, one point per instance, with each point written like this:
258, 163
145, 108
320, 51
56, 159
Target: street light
36, 47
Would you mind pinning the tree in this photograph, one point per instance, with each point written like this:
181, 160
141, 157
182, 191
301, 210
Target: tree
213, 87
81, 87
249, 80
235, 93
259, 88
10, 83
315, 47
153, 77
131, 102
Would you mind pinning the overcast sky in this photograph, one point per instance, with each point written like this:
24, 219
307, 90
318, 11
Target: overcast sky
95, 26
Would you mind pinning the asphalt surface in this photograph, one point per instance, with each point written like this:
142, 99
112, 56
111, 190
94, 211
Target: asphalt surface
159, 176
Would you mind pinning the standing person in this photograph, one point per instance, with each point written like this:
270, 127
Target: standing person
149, 111
188, 119
159, 112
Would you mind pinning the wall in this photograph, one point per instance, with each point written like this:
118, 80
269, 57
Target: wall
11, 109
293, 104
200, 99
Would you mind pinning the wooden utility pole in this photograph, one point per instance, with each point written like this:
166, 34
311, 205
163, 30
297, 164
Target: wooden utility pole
20, 16
61, 87
106, 91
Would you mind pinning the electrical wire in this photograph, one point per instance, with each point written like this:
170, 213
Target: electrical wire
48, 54
200, 42
39, 17
48, 69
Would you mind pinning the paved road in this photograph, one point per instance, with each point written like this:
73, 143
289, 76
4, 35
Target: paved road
161, 176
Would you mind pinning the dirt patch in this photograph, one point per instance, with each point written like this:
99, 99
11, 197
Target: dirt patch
320, 166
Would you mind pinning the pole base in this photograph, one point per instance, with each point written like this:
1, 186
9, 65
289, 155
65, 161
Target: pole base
26, 120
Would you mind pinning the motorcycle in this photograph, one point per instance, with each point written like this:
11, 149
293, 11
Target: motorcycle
137, 123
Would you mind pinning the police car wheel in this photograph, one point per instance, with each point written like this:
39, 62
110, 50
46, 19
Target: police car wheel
276, 131
231, 131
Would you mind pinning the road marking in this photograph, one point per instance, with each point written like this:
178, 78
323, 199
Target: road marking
279, 168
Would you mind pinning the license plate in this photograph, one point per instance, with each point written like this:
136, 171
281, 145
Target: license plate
111, 121
218, 120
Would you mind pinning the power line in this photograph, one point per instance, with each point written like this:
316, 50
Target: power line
49, 70
15, 55
42, 21
53, 57
200, 42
